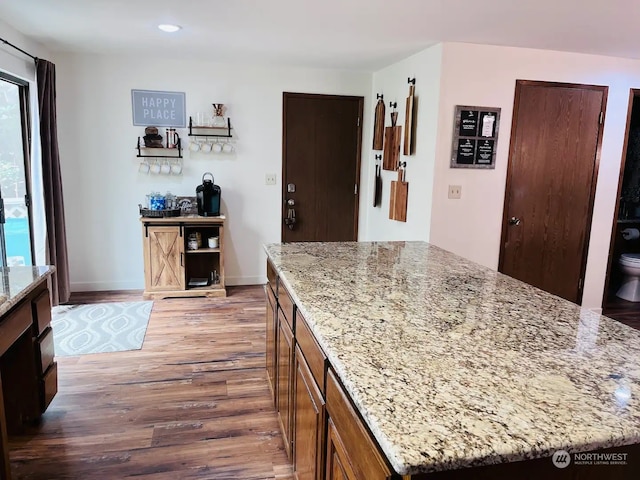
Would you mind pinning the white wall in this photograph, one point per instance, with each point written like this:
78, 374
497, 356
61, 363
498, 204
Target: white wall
14, 62
392, 83
102, 185
471, 226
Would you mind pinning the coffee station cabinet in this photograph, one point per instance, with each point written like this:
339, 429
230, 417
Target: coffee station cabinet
176, 267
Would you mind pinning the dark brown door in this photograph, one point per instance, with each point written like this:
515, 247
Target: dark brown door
321, 165
551, 179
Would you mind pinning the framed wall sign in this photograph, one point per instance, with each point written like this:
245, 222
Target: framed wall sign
158, 109
475, 137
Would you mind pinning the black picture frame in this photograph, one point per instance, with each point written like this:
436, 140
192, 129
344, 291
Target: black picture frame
475, 137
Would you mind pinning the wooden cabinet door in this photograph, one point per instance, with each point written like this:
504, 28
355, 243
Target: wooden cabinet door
164, 266
271, 341
308, 422
338, 466
284, 387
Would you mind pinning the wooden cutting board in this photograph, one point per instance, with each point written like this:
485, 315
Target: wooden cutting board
391, 156
378, 126
399, 196
409, 125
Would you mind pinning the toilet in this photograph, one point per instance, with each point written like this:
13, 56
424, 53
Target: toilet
630, 266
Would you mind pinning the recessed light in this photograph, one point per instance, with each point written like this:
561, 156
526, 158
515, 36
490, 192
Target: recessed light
169, 28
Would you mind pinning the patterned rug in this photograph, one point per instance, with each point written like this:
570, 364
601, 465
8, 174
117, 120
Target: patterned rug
99, 327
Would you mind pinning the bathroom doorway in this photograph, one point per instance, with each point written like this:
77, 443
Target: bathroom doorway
625, 234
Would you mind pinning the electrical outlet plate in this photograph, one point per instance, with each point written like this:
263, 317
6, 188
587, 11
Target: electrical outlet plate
455, 192
270, 179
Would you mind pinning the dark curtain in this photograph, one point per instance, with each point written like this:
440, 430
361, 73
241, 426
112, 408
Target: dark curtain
52, 182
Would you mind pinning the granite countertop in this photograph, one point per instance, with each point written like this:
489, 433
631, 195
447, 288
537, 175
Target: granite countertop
17, 282
454, 365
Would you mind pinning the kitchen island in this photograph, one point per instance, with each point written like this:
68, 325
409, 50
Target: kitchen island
27, 369
447, 365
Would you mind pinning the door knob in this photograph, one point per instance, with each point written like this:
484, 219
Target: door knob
514, 221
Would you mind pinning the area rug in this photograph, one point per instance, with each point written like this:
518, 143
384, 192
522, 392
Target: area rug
99, 327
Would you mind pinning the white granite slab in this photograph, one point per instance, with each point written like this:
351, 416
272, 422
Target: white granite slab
454, 365
17, 282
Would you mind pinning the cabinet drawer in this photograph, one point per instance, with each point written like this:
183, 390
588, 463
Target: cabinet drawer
44, 350
14, 325
359, 446
312, 352
42, 311
49, 386
272, 278
286, 304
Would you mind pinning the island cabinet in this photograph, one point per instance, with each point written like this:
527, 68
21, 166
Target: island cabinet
28, 372
324, 436
176, 267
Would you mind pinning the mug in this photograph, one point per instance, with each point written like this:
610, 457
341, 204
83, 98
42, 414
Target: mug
206, 147
144, 167
155, 168
165, 169
227, 148
212, 242
217, 147
176, 168
194, 146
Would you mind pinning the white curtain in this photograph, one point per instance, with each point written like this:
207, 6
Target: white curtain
37, 197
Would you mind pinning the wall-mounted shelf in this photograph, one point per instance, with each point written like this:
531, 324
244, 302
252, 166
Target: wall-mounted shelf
215, 131
149, 151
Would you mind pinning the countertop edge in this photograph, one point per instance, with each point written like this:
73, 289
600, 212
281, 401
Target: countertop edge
22, 294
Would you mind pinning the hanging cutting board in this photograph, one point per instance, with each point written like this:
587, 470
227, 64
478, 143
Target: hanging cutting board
392, 136
378, 126
377, 187
409, 125
399, 196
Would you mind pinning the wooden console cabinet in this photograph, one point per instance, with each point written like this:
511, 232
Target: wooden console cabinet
170, 267
28, 372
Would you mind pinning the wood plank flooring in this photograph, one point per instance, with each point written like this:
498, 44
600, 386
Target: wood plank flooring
193, 403
623, 311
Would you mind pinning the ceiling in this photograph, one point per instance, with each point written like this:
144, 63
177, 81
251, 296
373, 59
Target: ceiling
352, 34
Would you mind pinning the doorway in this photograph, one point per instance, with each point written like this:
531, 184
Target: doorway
15, 206
322, 141
626, 222
551, 178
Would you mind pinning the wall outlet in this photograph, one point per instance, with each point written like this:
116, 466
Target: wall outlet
270, 179
455, 192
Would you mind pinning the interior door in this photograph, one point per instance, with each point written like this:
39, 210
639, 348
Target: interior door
322, 137
551, 179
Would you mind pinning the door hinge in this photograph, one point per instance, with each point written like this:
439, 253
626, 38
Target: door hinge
355, 189
580, 283
601, 118
358, 122
27, 201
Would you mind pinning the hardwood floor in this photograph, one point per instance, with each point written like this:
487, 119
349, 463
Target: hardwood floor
193, 403
623, 311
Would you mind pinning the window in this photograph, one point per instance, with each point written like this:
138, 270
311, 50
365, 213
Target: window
15, 212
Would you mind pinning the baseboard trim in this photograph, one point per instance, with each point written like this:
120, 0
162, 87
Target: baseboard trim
117, 286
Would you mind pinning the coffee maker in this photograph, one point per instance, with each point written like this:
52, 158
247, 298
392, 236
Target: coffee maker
208, 197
